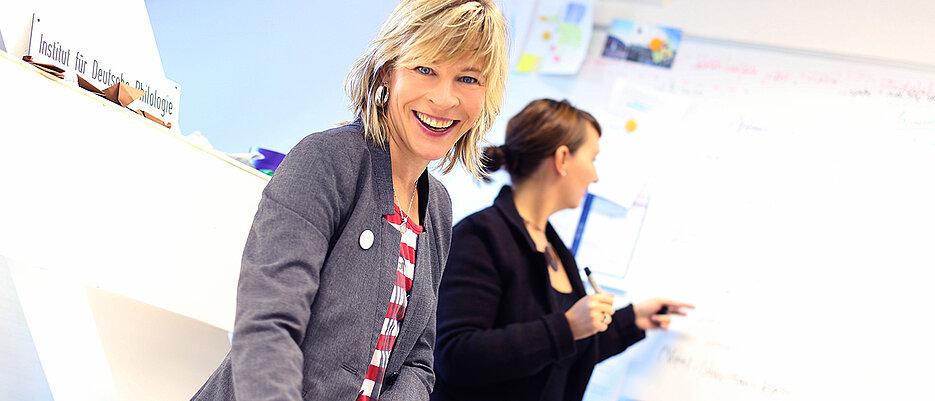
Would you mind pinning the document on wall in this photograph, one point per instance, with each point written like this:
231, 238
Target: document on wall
558, 36
636, 124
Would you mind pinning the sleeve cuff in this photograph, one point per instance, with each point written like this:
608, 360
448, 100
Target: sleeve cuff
625, 323
563, 341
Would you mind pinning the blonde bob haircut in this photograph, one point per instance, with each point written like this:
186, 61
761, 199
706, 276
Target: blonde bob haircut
435, 31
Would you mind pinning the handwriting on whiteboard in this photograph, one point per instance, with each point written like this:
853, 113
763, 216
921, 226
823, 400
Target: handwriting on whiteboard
712, 370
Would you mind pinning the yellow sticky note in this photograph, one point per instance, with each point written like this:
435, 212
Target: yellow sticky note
528, 63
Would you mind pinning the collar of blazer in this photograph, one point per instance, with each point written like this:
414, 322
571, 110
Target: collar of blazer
505, 204
507, 207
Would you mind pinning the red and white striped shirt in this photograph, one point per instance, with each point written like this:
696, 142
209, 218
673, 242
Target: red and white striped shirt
397, 310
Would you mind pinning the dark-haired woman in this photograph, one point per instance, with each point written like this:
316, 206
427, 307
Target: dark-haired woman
514, 320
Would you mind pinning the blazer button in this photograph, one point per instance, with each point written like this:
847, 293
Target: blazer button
366, 239
392, 379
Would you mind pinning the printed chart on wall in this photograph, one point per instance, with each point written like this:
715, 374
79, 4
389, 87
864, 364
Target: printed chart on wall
789, 197
554, 35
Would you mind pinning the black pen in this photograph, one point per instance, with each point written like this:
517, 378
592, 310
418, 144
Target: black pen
591, 280
597, 288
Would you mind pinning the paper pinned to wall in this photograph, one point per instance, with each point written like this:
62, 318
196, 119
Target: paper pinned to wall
636, 125
558, 37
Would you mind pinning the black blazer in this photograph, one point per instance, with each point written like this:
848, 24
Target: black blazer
499, 330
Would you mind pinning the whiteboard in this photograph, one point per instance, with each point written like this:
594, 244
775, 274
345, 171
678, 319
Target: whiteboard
787, 194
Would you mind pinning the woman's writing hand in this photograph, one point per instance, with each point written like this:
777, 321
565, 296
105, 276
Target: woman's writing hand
655, 313
590, 315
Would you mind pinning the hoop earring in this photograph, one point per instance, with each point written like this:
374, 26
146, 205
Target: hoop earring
381, 96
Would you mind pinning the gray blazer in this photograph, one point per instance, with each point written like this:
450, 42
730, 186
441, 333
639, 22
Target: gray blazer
311, 300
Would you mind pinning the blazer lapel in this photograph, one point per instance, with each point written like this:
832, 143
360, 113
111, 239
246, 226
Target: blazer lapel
536, 264
384, 276
421, 303
388, 238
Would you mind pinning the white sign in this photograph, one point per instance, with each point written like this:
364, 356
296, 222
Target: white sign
46, 45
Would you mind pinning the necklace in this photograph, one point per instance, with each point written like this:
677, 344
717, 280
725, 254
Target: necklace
402, 227
529, 223
550, 258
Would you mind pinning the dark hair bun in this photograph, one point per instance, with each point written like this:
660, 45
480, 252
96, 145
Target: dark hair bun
494, 158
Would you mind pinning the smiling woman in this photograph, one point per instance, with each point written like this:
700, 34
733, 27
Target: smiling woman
430, 107
470, 43
338, 258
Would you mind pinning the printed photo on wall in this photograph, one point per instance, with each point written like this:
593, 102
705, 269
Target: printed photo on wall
642, 43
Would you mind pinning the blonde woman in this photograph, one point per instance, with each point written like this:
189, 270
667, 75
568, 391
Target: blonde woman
340, 274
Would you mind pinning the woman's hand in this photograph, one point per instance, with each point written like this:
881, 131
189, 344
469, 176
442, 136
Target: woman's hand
590, 315
648, 314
